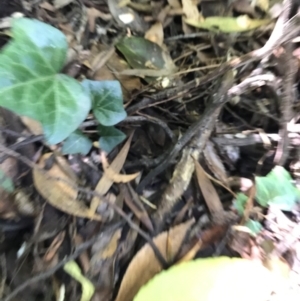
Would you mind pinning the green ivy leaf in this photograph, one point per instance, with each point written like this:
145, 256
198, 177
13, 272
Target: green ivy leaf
277, 189
30, 85
240, 203
110, 138
254, 226
77, 143
6, 183
107, 101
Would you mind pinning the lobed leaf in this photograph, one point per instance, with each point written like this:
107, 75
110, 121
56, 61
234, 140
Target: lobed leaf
77, 143
277, 189
107, 101
6, 183
30, 85
110, 138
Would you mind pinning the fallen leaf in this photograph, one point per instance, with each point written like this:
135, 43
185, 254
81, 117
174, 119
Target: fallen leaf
208, 190
53, 248
133, 201
53, 186
191, 12
106, 65
105, 182
142, 54
127, 17
228, 24
34, 126
145, 264
113, 175
262, 4
93, 14
214, 163
87, 286
190, 9
102, 263
61, 3
155, 34
174, 3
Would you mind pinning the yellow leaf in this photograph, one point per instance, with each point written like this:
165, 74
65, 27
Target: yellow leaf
114, 175
221, 278
53, 186
88, 288
228, 24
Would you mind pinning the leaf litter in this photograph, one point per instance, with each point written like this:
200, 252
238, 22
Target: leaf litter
139, 135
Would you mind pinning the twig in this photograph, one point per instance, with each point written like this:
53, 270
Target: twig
286, 104
283, 32
144, 117
50, 272
89, 192
254, 139
197, 137
203, 125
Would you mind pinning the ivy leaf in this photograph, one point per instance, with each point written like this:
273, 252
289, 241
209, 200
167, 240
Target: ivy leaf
77, 143
240, 202
30, 85
107, 101
277, 189
254, 226
6, 183
110, 138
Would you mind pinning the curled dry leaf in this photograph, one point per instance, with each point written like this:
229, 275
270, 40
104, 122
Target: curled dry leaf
102, 263
113, 175
190, 11
53, 185
208, 190
214, 163
105, 182
145, 265
107, 66
155, 34
34, 126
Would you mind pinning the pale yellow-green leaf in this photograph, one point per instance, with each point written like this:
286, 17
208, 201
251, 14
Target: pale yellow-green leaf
228, 24
210, 279
88, 288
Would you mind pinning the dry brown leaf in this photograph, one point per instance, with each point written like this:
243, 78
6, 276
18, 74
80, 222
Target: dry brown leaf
174, 3
10, 168
214, 163
208, 190
190, 9
105, 182
132, 200
33, 126
47, 6
114, 175
61, 3
109, 71
53, 248
93, 14
144, 266
53, 186
155, 34
102, 263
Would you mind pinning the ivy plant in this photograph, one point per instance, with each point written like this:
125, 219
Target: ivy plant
31, 85
275, 188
